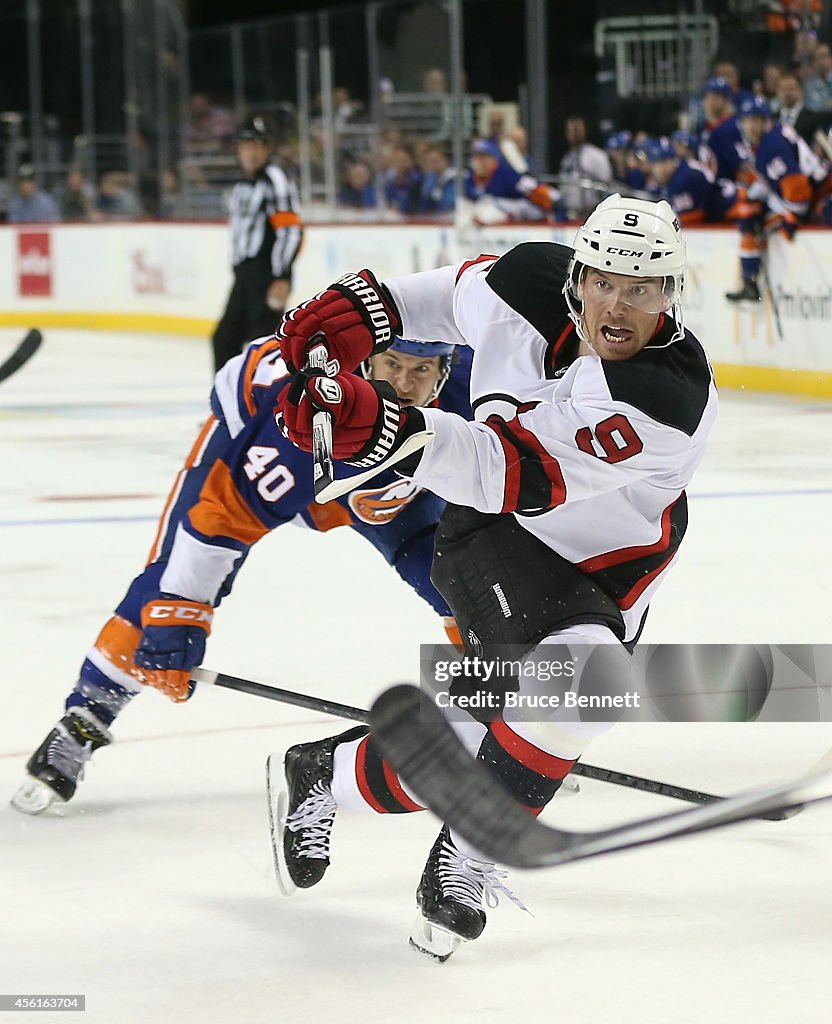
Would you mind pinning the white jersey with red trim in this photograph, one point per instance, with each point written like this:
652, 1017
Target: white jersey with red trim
591, 456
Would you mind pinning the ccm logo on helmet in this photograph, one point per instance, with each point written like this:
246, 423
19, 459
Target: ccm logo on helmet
623, 252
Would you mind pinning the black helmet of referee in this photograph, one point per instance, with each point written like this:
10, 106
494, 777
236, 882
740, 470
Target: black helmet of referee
254, 129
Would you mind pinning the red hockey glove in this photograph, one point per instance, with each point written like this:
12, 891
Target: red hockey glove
367, 420
356, 315
174, 632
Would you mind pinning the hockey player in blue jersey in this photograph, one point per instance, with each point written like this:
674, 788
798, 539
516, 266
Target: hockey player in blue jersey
688, 186
503, 192
720, 143
241, 480
781, 177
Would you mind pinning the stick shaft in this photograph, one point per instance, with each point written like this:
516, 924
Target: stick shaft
329, 707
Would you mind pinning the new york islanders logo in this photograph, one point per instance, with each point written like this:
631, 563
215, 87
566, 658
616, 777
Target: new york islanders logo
381, 504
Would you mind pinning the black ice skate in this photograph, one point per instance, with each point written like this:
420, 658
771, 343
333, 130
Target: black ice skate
302, 820
748, 293
57, 766
451, 896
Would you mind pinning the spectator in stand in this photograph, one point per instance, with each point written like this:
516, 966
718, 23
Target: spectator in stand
496, 125
803, 51
31, 205
402, 181
346, 110
210, 128
117, 198
77, 198
582, 160
766, 85
728, 70
437, 190
720, 145
818, 93
502, 194
792, 110
618, 147
434, 80
686, 185
514, 145
357, 188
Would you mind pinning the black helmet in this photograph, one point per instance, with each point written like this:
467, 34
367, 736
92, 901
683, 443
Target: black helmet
254, 129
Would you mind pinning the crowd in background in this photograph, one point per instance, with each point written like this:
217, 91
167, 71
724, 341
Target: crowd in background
697, 167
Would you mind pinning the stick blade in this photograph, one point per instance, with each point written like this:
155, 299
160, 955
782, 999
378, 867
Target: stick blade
425, 751
22, 354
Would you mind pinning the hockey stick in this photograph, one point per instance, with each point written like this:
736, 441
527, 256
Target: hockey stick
326, 487
22, 354
300, 700
425, 751
338, 488
589, 771
774, 306
322, 471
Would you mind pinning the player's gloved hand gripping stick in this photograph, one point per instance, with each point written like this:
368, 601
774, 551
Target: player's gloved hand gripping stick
326, 487
323, 473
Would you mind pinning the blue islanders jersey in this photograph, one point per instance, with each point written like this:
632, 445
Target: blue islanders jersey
689, 192
256, 480
790, 169
721, 149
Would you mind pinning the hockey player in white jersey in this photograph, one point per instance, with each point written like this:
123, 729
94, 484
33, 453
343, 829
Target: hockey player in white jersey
593, 404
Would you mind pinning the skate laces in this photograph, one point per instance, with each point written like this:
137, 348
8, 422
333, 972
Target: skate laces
314, 818
473, 882
68, 755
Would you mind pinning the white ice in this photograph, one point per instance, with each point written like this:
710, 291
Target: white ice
152, 892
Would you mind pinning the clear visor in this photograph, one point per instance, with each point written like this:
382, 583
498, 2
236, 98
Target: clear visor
646, 294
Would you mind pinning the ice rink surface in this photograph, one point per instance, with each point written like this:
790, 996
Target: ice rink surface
152, 893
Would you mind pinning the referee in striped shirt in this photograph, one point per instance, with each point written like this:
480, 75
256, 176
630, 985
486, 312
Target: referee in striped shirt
266, 233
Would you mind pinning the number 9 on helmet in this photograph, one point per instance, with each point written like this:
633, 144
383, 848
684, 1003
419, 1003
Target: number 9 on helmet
631, 238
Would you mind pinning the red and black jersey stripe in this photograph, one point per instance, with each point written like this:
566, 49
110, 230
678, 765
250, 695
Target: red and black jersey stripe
484, 258
530, 774
534, 480
625, 573
378, 782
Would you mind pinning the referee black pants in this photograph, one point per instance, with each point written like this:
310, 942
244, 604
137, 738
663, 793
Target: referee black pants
246, 315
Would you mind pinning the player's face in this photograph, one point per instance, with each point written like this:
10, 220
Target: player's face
753, 129
621, 313
413, 377
252, 155
663, 170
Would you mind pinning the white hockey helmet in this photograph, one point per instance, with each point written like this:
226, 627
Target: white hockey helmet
634, 237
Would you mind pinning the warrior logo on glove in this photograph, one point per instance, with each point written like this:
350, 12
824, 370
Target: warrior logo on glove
356, 316
329, 390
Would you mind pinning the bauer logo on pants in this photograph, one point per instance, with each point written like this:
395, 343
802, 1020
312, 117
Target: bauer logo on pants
34, 263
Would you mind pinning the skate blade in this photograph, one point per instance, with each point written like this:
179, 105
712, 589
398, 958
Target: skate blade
278, 804
34, 797
434, 942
